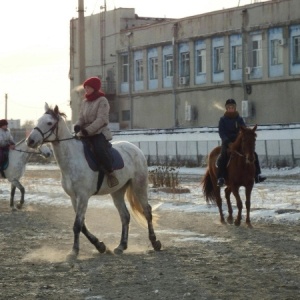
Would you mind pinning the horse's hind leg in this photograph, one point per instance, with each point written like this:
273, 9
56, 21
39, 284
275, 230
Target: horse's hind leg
119, 201
138, 192
152, 237
230, 211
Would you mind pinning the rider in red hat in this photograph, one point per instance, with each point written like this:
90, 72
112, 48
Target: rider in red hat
92, 123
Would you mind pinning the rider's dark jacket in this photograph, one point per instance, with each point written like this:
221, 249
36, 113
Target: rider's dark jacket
229, 126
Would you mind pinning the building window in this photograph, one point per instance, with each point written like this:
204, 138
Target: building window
257, 53
296, 50
201, 61
276, 52
168, 65
125, 68
139, 70
125, 115
219, 59
153, 67
237, 61
185, 64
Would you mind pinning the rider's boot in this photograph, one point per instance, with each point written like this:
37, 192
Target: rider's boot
221, 164
258, 177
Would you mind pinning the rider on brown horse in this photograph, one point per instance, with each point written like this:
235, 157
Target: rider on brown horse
229, 126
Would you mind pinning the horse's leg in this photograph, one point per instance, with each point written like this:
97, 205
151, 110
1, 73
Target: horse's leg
139, 193
248, 191
156, 244
239, 204
230, 211
12, 196
16, 184
217, 192
99, 245
80, 206
119, 201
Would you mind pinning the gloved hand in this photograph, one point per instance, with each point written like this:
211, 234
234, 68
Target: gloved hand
84, 132
77, 128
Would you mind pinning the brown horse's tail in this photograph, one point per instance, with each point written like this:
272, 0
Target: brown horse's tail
208, 189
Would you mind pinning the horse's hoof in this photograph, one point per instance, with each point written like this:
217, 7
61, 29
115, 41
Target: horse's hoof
237, 223
13, 209
249, 225
72, 256
230, 221
19, 206
156, 245
118, 251
100, 246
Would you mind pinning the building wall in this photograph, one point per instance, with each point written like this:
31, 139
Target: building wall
269, 89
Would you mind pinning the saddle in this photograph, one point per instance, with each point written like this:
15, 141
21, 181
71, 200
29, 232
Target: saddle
117, 161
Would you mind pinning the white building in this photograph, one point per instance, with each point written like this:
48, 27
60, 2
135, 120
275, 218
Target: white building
160, 73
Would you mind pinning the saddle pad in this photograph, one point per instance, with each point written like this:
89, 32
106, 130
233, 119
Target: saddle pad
118, 162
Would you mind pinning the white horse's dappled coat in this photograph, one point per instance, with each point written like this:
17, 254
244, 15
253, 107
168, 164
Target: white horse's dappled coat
80, 182
16, 167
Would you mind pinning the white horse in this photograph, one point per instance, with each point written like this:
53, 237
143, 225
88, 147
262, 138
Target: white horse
17, 160
80, 182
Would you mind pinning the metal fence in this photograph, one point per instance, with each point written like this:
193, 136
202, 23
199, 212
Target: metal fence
271, 153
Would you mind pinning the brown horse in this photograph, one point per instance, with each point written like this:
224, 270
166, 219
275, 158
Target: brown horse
240, 172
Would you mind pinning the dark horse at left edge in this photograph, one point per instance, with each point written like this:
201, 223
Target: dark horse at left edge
240, 172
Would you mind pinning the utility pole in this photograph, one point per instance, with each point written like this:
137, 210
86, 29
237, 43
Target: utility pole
6, 106
81, 40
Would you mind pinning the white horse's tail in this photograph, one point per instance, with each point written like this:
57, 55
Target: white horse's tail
137, 208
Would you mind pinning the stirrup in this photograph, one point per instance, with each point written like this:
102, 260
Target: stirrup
112, 180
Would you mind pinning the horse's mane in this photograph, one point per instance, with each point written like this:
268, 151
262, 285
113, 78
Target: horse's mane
237, 143
54, 112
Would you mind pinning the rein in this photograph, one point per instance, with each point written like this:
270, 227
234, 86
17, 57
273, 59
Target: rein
30, 152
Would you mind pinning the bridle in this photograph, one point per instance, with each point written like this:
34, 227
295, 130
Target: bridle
241, 154
52, 130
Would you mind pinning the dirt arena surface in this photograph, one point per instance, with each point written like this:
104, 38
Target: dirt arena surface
200, 258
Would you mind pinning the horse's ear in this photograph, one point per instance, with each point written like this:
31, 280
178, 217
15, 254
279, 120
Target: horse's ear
46, 106
56, 110
255, 127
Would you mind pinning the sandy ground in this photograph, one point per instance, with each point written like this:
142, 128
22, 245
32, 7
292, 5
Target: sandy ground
200, 258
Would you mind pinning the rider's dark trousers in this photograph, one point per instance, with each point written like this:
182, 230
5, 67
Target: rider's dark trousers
101, 149
222, 160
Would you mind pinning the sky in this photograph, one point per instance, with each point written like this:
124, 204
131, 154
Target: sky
34, 52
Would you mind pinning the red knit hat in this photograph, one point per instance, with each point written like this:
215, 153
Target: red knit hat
93, 82
3, 122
